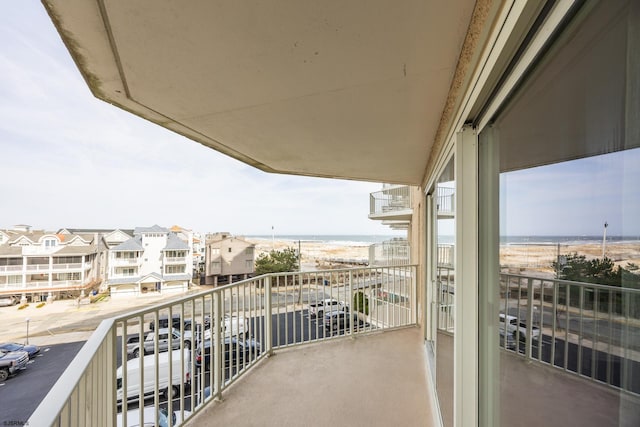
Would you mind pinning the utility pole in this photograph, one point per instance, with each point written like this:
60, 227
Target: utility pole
604, 239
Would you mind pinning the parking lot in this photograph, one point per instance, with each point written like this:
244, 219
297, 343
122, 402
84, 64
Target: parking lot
21, 393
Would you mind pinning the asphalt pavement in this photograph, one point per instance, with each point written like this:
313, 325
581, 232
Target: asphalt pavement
21, 393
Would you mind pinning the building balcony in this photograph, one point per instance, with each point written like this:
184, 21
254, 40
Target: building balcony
446, 202
390, 252
175, 260
264, 308
10, 268
369, 372
446, 255
392, 203
124, 262
38, 267
75, 266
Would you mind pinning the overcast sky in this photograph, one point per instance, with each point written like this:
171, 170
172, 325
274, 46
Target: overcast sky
70, 160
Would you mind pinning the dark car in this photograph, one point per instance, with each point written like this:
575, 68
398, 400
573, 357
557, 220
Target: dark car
235, 350
176, 318
32, 350
338, 320
11, 362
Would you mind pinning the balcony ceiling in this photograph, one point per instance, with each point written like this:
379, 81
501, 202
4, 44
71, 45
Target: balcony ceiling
336, 89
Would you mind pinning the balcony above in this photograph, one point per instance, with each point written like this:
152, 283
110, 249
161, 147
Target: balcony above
377, 379
392, 203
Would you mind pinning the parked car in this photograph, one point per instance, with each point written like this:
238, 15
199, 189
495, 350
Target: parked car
236, 351
32, 350
149, 344
11, 362
318, 308
234, 326
149, 417
6, 301
133, 343
517, 329
176, 319
338, 320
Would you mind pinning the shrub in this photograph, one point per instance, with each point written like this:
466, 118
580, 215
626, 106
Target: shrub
361, 302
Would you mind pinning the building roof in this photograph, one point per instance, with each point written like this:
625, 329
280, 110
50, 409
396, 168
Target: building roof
92, 231
175, 243
10, 251
76, 250
174, 277
133, 244
124, 281
153, 229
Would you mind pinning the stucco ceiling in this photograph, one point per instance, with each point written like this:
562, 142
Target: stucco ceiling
328, 88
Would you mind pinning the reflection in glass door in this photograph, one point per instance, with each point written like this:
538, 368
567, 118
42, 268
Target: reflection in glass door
444, 288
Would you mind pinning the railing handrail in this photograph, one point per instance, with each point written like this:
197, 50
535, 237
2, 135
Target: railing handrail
68, 402
577, 321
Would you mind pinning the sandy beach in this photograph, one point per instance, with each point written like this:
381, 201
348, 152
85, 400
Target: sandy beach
539, 257
316, 255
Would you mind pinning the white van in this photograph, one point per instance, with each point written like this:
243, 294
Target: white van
169, 389
510, 325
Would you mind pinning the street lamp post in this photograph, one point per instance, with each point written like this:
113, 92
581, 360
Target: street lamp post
28, 330
604, 239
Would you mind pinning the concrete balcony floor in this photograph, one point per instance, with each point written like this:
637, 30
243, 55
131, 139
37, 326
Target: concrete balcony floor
377, 379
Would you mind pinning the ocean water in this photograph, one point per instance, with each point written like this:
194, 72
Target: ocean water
334, 239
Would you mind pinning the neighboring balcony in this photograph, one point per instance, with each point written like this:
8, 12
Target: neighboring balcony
390, 252
446, 202
10, 268
392, 203
125, 262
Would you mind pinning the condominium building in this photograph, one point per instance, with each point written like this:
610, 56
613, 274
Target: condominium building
37, 265
228, 258
153, 260
477, 106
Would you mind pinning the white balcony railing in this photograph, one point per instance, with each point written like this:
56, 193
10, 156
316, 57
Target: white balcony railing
37, 267
175, 260
10, 268
584, 329
115, 262
275, 309
446, 254
390, 252
74, 266
445, 199
390, 199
